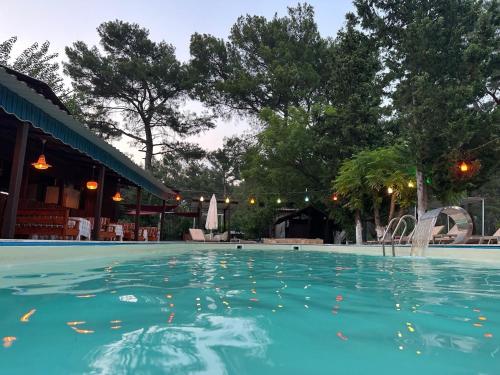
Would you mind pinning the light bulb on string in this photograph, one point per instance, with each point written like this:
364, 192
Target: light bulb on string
278, 201
228, 200
390, 190
202, 199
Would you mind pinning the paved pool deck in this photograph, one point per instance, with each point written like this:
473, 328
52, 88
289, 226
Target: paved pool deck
19, 253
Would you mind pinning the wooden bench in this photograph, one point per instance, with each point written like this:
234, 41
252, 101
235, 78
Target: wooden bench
46, 222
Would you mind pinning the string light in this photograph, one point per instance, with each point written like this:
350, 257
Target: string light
411, 184
306, 198
464, 167
178, 198
252, 201
278, 201
202, 199
227, 200
390, 190
335, 197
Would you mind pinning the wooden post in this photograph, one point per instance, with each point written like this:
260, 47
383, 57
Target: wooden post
25, 180
98, 203
162, 218
137, 212
10, 213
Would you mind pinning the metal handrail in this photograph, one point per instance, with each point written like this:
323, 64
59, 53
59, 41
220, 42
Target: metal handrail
393, 220
410, 236
401, 219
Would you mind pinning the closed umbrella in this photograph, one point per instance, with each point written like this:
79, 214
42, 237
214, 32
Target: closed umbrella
212, 222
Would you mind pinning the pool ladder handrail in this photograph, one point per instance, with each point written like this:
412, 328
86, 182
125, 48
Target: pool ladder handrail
401, 220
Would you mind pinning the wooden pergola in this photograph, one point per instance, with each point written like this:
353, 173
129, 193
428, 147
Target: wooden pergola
32, 120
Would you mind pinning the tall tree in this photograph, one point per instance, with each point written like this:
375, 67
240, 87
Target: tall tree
438, 56
227, 161
142, 81
35, 61
274, 63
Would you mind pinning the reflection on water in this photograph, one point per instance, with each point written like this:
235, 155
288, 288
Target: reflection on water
251, 312
181, 349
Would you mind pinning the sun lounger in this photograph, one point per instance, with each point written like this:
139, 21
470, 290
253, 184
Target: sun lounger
486, 239
447, 237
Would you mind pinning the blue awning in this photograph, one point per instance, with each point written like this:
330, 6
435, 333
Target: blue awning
28, 105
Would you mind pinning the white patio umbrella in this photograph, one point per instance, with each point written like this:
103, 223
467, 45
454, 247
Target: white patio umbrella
212, 221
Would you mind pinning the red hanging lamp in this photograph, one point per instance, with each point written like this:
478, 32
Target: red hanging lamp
41, 163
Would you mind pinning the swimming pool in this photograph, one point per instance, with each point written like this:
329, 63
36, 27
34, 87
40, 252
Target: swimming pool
248, 311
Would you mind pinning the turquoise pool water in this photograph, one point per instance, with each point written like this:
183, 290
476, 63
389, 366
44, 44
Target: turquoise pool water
251, 312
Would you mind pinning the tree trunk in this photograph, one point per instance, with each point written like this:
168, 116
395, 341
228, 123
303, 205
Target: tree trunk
421, 194
148, 158
376, 217
392, 207
359, 228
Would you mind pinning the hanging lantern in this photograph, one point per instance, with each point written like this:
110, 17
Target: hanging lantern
411, 184
465, 169
92, 184
390, 190
252, 201
278, 201
227, 200
41, 164
117, 197
202, 199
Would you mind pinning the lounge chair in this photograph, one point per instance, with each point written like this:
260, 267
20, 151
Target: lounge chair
222, 237
198, 236
486, 239
447, 237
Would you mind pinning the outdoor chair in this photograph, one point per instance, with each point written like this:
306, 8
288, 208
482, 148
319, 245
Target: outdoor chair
447, 237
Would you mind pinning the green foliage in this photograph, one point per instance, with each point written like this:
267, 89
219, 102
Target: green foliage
274, 63
35, 61
143, 82
367, 176
440, 63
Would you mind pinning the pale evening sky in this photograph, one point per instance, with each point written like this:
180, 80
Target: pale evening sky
63, 22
